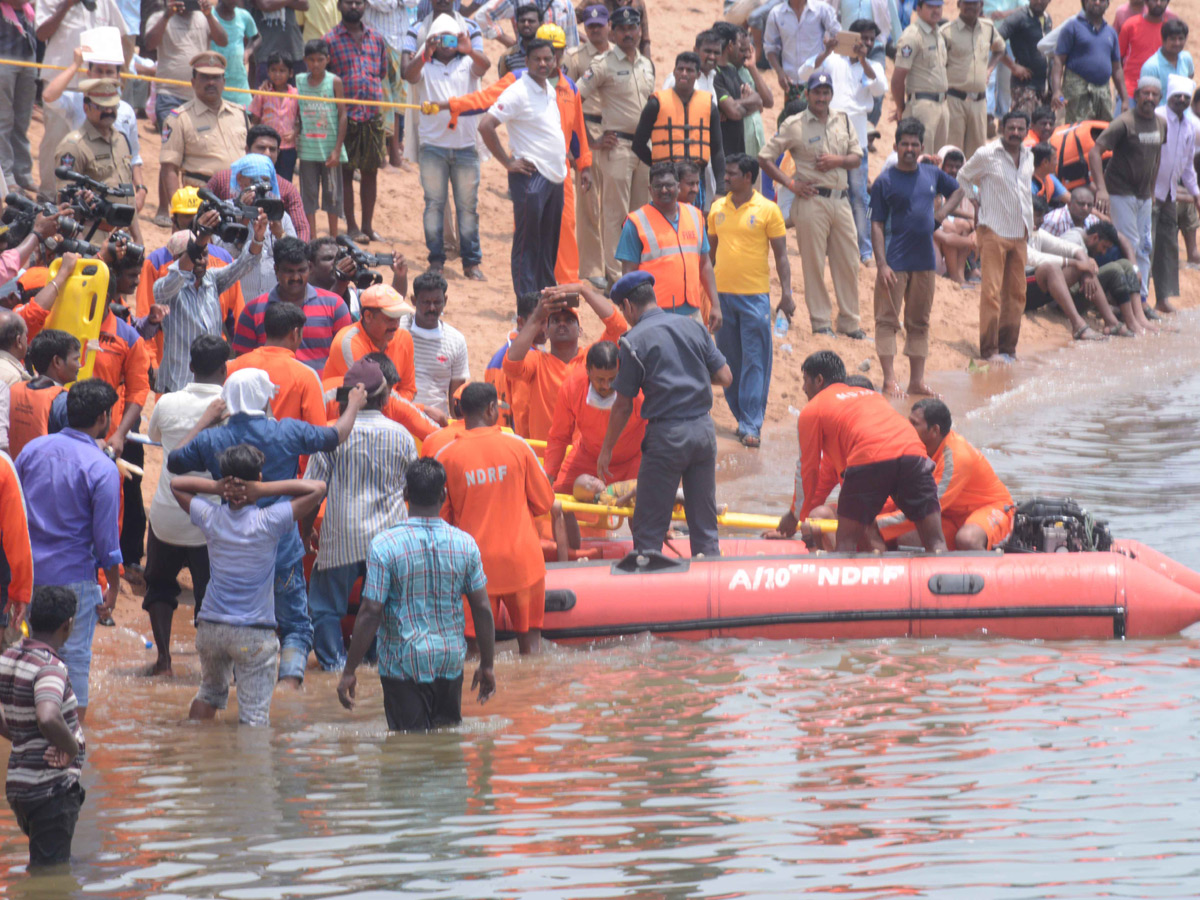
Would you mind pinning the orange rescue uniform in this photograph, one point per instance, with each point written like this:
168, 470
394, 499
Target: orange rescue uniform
299, 395
495, 487
969, 491
582, 425
124, 362
29, 411
35, 318
401, 411
232, 302
15, 549
352, 344
443, 436
849, 427
544, 373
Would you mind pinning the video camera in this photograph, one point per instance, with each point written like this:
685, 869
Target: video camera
230, 230
98, 208
19, 215
364, 263
272, 206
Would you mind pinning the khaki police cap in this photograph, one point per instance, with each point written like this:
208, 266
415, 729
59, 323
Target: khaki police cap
102, 91
208, 63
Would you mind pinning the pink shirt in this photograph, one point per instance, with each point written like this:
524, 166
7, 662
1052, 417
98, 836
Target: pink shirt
281, 112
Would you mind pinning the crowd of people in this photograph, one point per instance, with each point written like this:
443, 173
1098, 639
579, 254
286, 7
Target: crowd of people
308, 405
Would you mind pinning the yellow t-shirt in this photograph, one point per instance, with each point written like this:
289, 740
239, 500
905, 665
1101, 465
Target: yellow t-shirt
744, 236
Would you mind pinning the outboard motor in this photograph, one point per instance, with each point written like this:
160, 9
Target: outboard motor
1056, 525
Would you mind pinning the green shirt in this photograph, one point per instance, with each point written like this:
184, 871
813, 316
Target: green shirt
239, 30
318, 121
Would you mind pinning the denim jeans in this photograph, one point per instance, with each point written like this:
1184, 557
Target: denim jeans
163, 104
860, 205
291, 607
440, 167
77, 651
745, 340
1134, 218
328, 599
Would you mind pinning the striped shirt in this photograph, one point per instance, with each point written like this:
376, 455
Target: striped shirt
439, 356
554, 12
325, 314
195, 310
363, 475
418, 571
1005, 202
390, 19
31, 673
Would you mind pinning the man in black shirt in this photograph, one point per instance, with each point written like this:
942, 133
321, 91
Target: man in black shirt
1023, 30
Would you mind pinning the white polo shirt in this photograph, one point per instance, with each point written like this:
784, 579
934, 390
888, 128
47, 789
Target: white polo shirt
441, 82
530, 113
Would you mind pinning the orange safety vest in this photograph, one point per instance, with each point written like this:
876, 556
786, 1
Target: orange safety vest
682, 132
1071, 145
671, 256
29, 414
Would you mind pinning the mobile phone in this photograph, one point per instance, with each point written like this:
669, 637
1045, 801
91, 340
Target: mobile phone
191, 6
385, 259
449, 41
572, 300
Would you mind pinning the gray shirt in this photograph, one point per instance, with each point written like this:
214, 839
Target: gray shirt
671, 359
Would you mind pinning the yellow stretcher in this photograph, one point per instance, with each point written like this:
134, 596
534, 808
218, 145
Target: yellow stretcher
740, 521
80, 309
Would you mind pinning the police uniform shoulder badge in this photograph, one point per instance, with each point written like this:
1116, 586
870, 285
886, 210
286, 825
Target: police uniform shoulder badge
906, 51
68, 160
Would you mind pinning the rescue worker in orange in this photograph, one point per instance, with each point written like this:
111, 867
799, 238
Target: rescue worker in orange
378, 329
581, 414
977, 509
514, 396
579, 153
299, 393
683, 123
16, 554
54, 355
400, 410
545, 370
875, 449
669, 240
495, 488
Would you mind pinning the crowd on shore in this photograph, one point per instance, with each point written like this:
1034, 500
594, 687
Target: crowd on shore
308, 403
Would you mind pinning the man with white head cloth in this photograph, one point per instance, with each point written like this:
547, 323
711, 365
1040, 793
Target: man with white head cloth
1175, 170
246, 399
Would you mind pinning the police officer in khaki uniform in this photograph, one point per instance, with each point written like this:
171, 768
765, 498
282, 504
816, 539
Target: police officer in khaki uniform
622, 80
98, 150
824, 146
972, 43
919, 79
587, 203
206, 134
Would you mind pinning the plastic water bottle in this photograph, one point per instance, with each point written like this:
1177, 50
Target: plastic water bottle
781, 324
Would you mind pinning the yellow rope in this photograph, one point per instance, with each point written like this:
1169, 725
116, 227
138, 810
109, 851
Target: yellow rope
174, 82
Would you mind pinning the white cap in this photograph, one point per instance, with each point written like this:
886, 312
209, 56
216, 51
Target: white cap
104, 46
444, 24
1177, 84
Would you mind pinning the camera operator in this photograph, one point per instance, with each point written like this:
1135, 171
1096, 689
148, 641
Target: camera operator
252, 169
333, 269
97, 149
15, 259
197, 288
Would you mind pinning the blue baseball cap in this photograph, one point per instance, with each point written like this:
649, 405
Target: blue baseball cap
595, 15
626, 283
820, 79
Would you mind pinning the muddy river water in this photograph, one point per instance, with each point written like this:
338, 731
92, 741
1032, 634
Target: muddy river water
649, 768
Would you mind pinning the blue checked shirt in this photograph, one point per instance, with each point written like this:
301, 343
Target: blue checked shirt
419, 571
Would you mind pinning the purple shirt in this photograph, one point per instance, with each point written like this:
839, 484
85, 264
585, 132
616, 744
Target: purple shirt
363, 69
72, 495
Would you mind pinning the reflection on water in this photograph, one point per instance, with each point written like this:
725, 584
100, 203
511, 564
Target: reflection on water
653, 769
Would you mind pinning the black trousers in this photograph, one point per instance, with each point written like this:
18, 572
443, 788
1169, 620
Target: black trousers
537, 218
133, 521
674, 451
420, 706
50, 825
163, 564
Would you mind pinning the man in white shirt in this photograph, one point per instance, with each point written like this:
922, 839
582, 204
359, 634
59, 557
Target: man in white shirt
448, 156
856, 83
1175, 166
173, 542
536, 169
439, 349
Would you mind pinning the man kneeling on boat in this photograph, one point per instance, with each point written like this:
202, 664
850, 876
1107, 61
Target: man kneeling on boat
877, 451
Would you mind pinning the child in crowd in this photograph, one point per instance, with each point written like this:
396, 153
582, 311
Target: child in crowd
321, 141
280, 112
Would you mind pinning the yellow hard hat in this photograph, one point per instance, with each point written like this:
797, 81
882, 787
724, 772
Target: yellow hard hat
552, 33
185, 201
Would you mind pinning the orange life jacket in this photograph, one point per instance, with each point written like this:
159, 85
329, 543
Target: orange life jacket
1071, 144
671, 256
682, 132
29, 413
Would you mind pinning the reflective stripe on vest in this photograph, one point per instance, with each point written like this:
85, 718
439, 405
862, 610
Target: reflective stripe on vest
682, 132
671, 256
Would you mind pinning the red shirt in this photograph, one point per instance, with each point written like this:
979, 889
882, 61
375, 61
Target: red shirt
1139, 40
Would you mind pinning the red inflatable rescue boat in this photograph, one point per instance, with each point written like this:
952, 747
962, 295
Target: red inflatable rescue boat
774, 590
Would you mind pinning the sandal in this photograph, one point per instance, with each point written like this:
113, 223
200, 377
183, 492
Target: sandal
1121, 330
752, 441
1087, 333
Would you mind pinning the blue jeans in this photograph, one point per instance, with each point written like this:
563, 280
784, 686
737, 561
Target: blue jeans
77, 651
328, 599
441, 166
1134, 218
163, 104
745, 340
291, 607
860, 204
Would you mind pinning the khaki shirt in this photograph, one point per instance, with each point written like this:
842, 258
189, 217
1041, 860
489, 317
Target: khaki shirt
922, 50
578, 61
204, 142
967, 53
622, 86
89, 153
806, 137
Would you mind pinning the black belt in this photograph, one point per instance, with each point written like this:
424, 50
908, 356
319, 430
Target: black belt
197, 176
594, 118
830, 193
926, 95
963, 95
